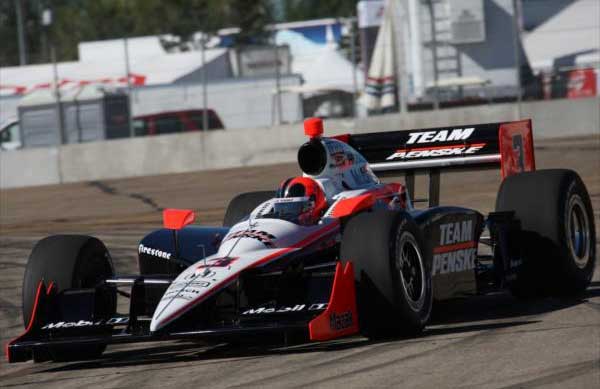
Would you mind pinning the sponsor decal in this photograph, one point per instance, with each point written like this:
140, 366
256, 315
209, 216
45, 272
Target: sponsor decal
457, 250
295, 308
191, 285
340, 321
439, 151
217, 262
262, 236
517, 146
188, 293
154, 252
85, 323
440, 136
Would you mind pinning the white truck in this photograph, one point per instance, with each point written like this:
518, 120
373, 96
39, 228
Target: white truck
10, 135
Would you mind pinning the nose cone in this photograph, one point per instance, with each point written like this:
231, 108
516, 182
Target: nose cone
181, 296
156, 324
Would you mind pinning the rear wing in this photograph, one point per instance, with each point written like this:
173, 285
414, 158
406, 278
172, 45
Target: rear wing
508, 145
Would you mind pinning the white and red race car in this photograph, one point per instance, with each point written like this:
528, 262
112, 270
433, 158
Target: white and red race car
332, 253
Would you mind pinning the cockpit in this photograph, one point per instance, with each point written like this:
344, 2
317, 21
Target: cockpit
298, 210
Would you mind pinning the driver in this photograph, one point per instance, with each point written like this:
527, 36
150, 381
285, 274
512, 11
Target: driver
314, 203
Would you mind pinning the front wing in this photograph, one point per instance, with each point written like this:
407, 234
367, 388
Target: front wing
338, 319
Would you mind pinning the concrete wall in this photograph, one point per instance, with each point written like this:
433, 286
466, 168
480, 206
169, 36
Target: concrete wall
250, 147
29, 167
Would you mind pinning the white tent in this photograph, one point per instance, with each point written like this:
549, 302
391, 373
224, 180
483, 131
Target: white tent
104, 62
570, 38
322, 67
381, 83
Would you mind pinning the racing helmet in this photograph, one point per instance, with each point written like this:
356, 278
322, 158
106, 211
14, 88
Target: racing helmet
305, 187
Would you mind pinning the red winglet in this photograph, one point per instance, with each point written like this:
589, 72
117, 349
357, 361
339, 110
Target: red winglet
352, 205
176, 219
341, 317
40, 294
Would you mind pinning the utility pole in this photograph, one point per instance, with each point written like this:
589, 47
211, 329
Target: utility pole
21, 34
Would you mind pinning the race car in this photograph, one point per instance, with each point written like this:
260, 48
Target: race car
332, 253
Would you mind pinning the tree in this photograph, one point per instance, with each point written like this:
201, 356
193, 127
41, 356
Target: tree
251, 17
86, 20
294, 10
9, 49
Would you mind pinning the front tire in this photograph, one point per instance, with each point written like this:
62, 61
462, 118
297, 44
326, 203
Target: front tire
558, 238
70, 261
392, 267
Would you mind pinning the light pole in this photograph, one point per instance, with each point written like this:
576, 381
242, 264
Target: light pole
46, 21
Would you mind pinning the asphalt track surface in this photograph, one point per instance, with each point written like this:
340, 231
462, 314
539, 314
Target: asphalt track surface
491, 341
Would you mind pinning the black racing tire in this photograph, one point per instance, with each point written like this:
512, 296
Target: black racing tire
558, 238
373, 242
70, 261
241, 205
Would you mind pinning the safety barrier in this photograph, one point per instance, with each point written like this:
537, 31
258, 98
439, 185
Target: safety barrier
187, 152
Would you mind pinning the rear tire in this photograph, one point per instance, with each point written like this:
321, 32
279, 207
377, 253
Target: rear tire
558, 238
70, 261
392, 268
243, 204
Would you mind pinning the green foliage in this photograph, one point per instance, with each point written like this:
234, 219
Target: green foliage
86, 20
294, 10
251, 17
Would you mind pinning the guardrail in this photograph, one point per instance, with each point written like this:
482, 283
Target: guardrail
188, 152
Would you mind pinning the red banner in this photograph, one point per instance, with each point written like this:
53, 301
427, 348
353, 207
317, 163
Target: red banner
582, 83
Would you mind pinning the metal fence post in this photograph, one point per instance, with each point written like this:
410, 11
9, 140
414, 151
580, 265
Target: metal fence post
353, 57
128, 77
204, 89
59, 112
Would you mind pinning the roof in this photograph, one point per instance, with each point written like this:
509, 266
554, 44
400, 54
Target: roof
571, 37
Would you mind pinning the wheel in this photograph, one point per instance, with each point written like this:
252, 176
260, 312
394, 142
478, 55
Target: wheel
71, 261
558, 238
392, 268
241, 205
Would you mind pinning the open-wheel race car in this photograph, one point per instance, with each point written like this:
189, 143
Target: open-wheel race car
332, 253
